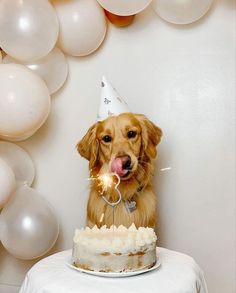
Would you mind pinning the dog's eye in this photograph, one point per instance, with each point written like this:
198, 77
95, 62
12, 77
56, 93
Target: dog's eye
131, 134
106, 138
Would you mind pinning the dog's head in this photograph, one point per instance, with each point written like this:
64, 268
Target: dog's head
120, 144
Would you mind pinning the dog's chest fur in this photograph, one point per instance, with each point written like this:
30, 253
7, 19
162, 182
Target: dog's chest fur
100, 213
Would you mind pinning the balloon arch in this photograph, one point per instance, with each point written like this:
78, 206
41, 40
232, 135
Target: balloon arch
34, 36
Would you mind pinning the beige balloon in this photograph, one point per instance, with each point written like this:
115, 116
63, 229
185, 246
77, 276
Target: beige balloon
124, 7
19, 161
181, 12
7, 182
28, 225
53, 68
25, 102
28, 29
82, 26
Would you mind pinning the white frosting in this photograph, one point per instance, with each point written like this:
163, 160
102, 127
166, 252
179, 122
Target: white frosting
115, 239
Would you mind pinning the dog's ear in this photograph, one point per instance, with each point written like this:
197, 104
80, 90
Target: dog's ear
151, 135
88, 147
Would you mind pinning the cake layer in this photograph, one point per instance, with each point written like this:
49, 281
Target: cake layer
114, 249
116, 262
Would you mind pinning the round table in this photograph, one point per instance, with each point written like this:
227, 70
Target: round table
178, 273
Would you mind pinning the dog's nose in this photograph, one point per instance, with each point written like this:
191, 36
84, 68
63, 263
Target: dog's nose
126, 163
121, 165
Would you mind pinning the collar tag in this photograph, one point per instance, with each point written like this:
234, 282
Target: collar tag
130, 206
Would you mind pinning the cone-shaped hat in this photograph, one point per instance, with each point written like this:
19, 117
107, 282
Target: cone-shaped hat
111, 102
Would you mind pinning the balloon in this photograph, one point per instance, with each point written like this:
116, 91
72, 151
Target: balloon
28, 226
119, 20
82, 26
28, 29
124, 7
24, 102
7, 182
181, 12
19, 161
53, 68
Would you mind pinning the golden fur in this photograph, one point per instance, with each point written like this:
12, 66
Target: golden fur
137, 185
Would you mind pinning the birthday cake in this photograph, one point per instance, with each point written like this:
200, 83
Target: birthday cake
114, 249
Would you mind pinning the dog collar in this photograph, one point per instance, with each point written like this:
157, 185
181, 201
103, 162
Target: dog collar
140, 187
130, 205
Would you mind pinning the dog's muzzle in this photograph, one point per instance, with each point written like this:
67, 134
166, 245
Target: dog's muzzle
121, 165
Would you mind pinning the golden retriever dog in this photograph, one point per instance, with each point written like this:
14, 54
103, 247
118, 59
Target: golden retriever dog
125, 145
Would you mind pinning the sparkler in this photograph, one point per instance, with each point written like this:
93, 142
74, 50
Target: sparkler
105, 182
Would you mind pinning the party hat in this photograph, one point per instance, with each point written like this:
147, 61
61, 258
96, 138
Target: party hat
111, 102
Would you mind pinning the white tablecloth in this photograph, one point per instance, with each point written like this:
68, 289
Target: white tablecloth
178, 273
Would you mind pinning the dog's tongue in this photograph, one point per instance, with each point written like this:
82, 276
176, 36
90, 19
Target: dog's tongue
116, 166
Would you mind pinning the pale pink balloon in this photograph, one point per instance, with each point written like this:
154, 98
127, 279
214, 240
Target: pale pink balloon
53, 68
181, 12
28, 225
7, 182
24, 102
124, 7
82, 26
19, 161
28, 28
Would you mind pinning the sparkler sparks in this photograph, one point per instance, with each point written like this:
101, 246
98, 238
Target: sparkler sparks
101, 218
105, 182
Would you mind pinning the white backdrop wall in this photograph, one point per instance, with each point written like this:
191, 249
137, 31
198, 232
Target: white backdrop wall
183, 78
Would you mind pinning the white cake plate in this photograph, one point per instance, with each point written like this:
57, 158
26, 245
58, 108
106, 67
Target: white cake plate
114, 275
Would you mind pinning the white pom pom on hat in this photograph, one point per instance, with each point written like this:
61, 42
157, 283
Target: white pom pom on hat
111, 102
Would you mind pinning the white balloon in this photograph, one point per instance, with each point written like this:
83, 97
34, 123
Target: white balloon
28, 225
124, 7
82, 26
181, 12
28, 29
24, 102
19, 161
7, 182
53, 68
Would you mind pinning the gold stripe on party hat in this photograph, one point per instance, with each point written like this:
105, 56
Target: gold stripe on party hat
111, 102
